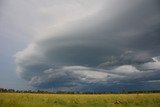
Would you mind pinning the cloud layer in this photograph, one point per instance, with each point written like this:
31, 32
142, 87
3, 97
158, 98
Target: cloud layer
93, 45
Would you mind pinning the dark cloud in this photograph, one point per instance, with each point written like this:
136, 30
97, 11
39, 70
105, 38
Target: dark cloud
98, 52
127, 58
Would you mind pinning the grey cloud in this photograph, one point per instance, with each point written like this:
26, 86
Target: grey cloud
127, 58
71, 75
101, 49
81, 78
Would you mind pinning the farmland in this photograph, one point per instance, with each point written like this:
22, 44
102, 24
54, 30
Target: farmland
79, 100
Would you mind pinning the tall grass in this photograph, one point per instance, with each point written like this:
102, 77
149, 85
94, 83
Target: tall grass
79, 100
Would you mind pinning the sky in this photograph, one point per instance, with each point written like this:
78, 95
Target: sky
80, 45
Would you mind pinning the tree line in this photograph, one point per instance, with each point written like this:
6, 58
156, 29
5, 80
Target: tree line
4, 90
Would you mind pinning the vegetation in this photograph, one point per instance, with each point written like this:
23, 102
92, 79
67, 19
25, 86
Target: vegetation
79, 100
3, 90
40, 98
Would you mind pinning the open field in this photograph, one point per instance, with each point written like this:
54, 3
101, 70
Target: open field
79, 100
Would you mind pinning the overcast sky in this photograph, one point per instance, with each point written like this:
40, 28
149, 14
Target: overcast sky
80, 45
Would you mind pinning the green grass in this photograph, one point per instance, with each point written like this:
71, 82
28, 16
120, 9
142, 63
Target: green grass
79, 100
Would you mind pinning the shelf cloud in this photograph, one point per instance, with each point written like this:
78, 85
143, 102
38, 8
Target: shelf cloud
91, 45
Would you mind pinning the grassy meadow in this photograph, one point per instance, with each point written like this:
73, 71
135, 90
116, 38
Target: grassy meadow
79, 100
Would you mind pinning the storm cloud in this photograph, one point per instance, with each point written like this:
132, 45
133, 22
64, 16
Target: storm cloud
93, 45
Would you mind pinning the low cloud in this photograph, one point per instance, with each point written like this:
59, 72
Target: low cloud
108, 46
127, 58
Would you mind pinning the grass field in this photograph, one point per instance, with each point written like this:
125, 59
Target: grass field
79, 100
